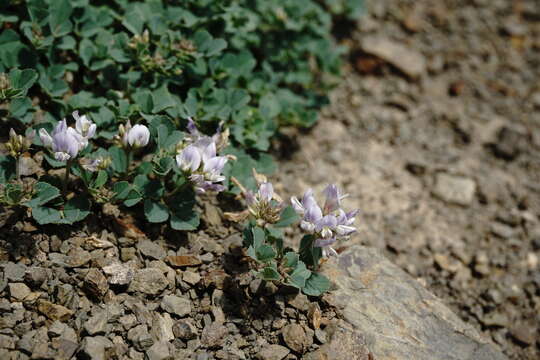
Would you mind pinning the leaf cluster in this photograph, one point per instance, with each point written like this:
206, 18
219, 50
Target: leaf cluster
274, 262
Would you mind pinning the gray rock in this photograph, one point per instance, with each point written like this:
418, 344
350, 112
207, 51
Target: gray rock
399, 318
213, 335
93, 348
35, 276
454, 189
321, 336
97, 323
119, 274
273, 352
57, 259
128, 321
14, 271
501, 230
18, 291
95, 283
54, 311
184, 329
176, 305
140, 337
7, 342
127, 254
295, 338
343, 343
407, 60
66, 349
162, 327
151, 249
149, 281
191, 277
77, 257
159, 351
298, 301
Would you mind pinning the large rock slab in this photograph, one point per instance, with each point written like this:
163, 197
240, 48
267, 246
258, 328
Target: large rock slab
398, 317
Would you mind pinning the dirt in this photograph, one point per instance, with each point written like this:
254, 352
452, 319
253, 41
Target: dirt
442, 159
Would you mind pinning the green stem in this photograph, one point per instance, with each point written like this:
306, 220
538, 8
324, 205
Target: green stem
66, 177
177, 189
129, 155
18, 168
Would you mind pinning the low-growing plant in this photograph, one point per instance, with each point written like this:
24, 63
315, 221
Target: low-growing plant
268, 214
141, 73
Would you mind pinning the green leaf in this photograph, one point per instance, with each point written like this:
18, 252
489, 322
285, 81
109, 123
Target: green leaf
100, 179
44, 192
265, 253
38, 10
13, 193
308, 253
22, 79
299, 275
132, 198
59, 14
290, 259
162, 99
287, 217
134, 20
119, 159
163, 166
76, 209
19, 107
155, 212
269, 106
258, 237
121, 190
183, 215
46, 215
7, 168
316, 285
269, 274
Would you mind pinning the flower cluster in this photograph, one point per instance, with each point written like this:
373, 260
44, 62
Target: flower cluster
66, 142
133, 137
18, 144
199, 159
264, 205
328, 224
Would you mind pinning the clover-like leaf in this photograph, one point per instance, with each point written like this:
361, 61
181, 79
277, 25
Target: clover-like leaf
287, 217
265, 253
44, 192
155, 212
316, 285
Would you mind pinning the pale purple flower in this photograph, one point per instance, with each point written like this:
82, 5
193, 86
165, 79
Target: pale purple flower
266, 191
92, 165
133, 136
333, 198
138, 136
65, 141
189, 159
220, 138
199, 159
264, 205
328, 224
326, 245
84, 126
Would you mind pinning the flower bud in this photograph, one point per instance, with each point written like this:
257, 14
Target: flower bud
4, 82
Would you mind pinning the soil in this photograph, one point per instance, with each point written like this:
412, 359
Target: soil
435, 134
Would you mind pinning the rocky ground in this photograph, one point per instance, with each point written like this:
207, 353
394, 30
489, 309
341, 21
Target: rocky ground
435, 134
97, 294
